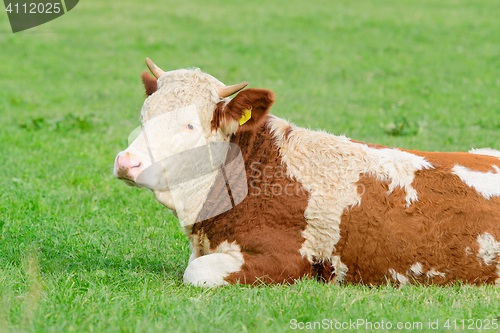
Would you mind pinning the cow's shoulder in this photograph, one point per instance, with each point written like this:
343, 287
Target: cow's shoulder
269, 221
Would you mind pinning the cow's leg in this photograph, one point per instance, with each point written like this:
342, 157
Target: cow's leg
231, 267
211, 270
272, 267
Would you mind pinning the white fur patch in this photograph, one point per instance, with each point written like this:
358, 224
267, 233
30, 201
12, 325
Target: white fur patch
486, 151
398, 277
489, 248
485, 183
183, 97
211, 270
340, 269
418, 270
415, 269
433, 273
329, 167
489, 251
398, 167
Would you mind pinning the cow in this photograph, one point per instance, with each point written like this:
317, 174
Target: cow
303, 203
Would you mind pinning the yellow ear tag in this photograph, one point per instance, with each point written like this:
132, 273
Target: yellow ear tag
246, 116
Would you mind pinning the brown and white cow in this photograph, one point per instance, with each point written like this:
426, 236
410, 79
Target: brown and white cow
316, 204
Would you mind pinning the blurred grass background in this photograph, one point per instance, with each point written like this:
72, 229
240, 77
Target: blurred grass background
80, 251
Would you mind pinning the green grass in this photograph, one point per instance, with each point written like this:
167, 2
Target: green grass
80, 251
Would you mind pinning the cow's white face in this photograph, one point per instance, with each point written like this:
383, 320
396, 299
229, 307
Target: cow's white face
186, 127
166, 135
167, 155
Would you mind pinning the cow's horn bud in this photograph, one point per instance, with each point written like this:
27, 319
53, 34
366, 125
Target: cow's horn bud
157, 72
229, 90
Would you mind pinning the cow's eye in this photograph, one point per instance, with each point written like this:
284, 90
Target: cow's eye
190, 127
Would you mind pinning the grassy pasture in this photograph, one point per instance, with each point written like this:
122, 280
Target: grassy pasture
82, 252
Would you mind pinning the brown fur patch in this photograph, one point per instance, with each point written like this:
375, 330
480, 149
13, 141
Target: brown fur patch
257, 100
218, 116
475, 162
382, 234
288, 131
150, 83
267, 224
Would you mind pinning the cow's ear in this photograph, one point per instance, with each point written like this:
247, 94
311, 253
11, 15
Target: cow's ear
246, 111
149, 83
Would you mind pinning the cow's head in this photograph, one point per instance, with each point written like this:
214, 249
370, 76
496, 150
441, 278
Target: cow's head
186, 110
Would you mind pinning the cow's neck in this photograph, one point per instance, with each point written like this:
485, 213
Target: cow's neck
200, 199
255, 148
186, 201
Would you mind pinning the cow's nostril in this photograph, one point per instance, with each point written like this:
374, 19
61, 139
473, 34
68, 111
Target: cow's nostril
138, 165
